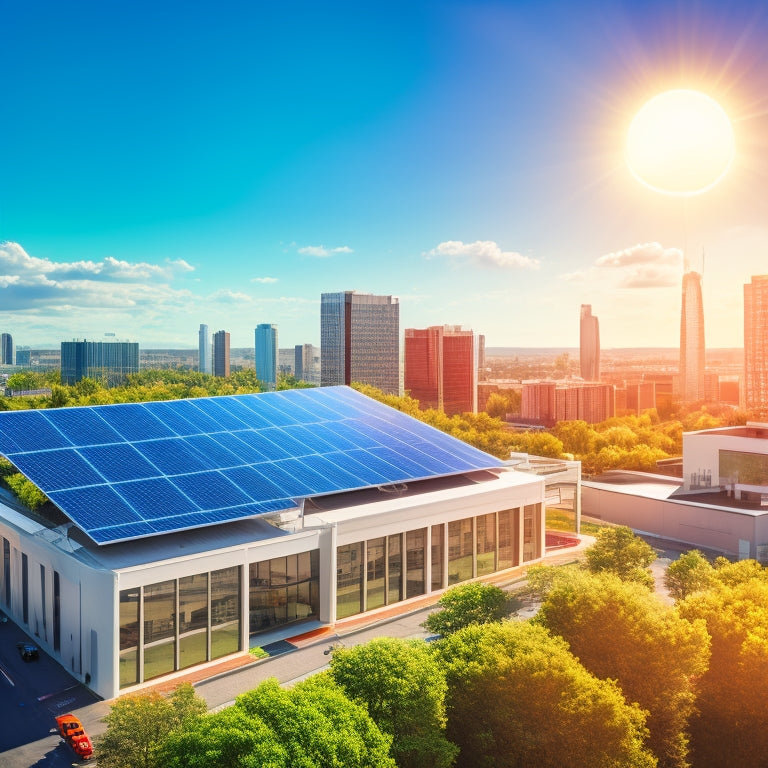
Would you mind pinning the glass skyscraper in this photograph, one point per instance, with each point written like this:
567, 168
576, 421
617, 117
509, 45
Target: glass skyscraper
756, 346
266, 354
692, 340
589, 344
6, 349
360, 340
204, 347
108, 362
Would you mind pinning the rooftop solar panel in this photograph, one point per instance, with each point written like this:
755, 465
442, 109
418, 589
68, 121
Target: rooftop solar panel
142, 469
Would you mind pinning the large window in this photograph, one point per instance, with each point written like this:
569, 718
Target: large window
129, 635
159, 629
376, 573
744, 468
486, 544
7, 572
225, 611
415, 544
349, 580
460, 550
193, 620
438, 555
283, 590
25, 587
394, 568
531, 531
56, 611
507, 538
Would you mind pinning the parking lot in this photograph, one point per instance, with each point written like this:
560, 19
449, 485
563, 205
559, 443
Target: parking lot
32, 693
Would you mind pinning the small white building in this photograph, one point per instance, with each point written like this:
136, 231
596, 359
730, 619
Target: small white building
121, 587
721, 503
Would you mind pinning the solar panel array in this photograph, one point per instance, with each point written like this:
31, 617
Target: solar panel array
142, 469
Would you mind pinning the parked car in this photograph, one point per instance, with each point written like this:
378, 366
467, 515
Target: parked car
72, 731
28, 651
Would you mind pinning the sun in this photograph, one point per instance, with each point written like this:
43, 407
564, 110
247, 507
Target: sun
680, 143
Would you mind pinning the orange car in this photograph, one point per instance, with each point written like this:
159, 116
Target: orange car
72, 731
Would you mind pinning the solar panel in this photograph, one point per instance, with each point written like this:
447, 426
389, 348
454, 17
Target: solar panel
142, 469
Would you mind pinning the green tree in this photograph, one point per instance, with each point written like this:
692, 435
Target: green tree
138, 724
26, 491
465, 604
618, 550
621, 631
731, 724
517, 697
403, 689
313, 725
690, 573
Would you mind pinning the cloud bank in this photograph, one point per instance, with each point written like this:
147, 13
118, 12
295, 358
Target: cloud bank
645, 265
321, 252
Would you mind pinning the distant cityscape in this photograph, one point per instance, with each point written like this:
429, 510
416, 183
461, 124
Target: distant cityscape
449, 368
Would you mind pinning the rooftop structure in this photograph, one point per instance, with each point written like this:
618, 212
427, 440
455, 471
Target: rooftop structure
177, 530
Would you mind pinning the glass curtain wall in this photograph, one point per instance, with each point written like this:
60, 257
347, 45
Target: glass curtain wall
176, 623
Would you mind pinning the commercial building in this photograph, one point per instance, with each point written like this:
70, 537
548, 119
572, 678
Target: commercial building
178, 531
547, 402
440, 370
360, 340
589, 344
6, 349
221, 354
108, 362
204, 349
721, 503
306, 365
266, 354
756, 345
692, 385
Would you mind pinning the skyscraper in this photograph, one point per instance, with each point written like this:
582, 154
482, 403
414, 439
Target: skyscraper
266, 354
306, 365
756, 345
440, 368
221, 353
589, 344
204, 347
6, 349
108, 362
692, 340
360, 340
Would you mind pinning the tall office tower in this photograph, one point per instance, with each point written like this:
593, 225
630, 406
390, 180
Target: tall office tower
221, 354
266, 354
692, 340
755, 390
6, 349
204, 348
360, 340
108, 362
589, 344
440, 368
481, 372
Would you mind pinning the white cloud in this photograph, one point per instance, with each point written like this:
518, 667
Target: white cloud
321, 252
642, 253
226, 296
264, 280
484, 253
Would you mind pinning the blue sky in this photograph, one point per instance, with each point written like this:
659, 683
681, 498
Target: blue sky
164, 164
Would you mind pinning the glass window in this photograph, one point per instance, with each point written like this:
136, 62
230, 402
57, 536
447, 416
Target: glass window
129, 633
739, 467
415, 542
394, 569
225, 611
376, 560
7, 572
438, 553
486, 544
349, 580
193, 620
507, 545
460, 550
57, 611
531, 531
159, 611
42, 601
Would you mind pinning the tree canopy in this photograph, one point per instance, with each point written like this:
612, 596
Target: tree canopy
402, 687
619, 551
518, 697
465, 604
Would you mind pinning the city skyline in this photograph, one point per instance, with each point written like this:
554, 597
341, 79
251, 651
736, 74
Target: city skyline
217, 179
